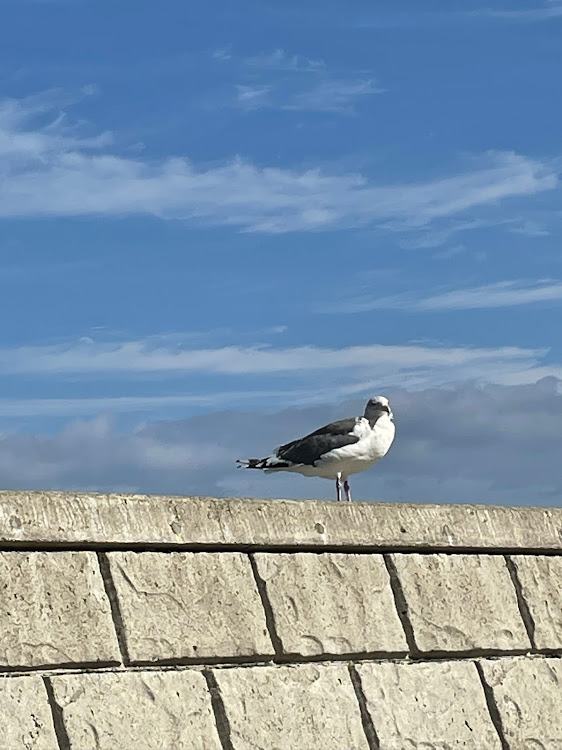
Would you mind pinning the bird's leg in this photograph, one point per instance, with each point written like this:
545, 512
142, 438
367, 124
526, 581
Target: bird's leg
338, 487
347, 491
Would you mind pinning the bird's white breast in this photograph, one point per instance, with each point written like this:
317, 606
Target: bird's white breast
372, 445
380, 437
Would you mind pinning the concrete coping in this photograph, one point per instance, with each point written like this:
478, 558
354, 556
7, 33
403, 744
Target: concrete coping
62, 520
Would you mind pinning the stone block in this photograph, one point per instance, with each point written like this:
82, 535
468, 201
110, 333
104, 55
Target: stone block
528, 694
440, 706
461, 603
331, 603
189, 605
541, 584
306, 706
134, 710
54, 610
80, 517
25, 715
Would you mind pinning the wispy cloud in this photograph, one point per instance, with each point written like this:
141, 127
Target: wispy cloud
279, 59
253, 97
523, 15
437, 237
336, 95
499, 294
530, 229
283, 81
423, 18
257, 374
333, 95
50, 167
224, 53
42, 2
17, 408
154, 356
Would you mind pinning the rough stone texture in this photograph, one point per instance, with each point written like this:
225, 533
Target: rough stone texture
331, 603
441, 706
134, 710
25, 715
528, 694
54, 610
461, 603
541, 585
189, 605
308, 707
55, 517
184, 592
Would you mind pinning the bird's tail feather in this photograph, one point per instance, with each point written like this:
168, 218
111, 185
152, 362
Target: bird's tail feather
270, 462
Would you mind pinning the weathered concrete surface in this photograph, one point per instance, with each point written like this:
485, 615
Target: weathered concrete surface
332, 603
54, 610
308, 707
461, 602
134, 710
439, 706
189, 605
528, 695
70, 518
25, 715
541, 584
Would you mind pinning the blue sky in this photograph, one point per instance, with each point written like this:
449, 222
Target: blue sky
257, 215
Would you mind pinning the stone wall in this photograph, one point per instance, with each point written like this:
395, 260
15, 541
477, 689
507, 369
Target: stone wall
165, 623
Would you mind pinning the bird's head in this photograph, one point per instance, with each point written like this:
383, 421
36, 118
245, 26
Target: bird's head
376, 407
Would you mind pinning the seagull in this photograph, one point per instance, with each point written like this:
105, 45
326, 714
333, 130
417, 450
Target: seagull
336, 450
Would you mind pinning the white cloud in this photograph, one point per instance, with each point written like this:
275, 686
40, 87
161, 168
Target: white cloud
87, 453
15, 408
151, 356
461, 444
437, 237
545, 13
279, 59
286, 81
36, 127
254, 375
90, 89
253, 97
53, 169
224, 53
413, 18
530, 229
333, 95
42, 2
499, 294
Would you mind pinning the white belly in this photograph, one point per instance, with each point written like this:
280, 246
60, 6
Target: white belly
351, 459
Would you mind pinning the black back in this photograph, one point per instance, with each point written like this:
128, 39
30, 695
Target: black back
309, 449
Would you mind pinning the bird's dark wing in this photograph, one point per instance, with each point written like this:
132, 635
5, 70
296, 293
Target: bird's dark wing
309, 449
343, 427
